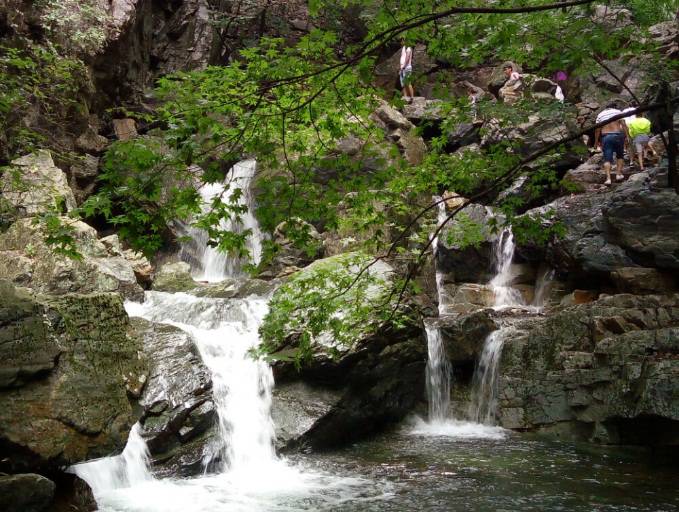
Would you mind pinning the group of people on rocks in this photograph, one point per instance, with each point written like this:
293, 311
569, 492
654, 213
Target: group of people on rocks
632, 132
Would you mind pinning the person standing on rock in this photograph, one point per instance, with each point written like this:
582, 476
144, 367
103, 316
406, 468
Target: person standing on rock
611, 138
640, 133
406, 70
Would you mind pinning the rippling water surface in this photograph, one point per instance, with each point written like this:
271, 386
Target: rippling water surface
449, 467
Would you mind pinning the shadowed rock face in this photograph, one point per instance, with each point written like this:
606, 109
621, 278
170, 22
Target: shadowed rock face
633, 225
25, 493
67, 366
596, 370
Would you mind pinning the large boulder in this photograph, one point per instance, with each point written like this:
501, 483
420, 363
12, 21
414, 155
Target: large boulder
462, 260
33, 185
27, 260
68, 373
178, 409
634, 224
355, 379
26, 493
606, 371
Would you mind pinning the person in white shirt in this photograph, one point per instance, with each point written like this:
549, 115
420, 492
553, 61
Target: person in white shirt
406, 70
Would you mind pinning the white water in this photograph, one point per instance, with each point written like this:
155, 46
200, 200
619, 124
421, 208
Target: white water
438, 375
251, 477
505, 295
543, 287
483, 403
216, 264
441, 217
129, 468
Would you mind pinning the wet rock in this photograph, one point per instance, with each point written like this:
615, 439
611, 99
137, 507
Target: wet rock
26, 493
297, 406
177, 400
472, 293
63, 362
27, 260
33, 185
464, 335
375, 379
578, 297
174, 277
605, 364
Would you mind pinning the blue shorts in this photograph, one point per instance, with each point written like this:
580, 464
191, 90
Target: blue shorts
613, 142
404, 75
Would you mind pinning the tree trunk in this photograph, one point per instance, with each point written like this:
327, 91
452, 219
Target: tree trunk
672, 175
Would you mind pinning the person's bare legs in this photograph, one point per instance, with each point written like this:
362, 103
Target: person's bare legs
640, 155
607, 170
619, 165
411, 90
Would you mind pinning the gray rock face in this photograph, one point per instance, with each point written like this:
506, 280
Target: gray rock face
177, 399
467, 263
464, 335
34, 185
67, 366
635, 224
597, 370
28, 261
26, 493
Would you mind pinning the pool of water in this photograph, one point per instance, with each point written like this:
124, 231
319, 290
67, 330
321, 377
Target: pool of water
453, 466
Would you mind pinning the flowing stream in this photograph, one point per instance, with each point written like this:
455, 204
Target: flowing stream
437, 465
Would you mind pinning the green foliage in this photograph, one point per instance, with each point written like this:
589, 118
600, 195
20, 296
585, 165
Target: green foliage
142, 191
35, 82
77, 26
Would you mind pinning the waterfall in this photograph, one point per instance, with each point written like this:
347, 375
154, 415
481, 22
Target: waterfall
124, 470
215, 265
441, 217
224, 332
438, 375
543, 287
505, 295
483, 403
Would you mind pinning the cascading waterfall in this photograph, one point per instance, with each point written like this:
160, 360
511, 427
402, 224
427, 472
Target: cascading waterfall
215, 265
224, 332
483, 404
543, 287
124, 470
441, 217
505, 295
438, 375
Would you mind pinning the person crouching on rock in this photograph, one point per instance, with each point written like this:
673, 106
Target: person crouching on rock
406, 70
513, 87
640, 133
611, 138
